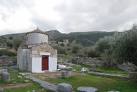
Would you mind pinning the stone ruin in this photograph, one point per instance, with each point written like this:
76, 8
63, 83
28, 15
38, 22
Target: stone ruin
129, 67
66, 73
1, 89
64, 87
5, 76
87, 89
86, 61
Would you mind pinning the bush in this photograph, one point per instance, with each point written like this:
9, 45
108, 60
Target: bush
120, 48
125, 47
103, 44
75, 49
61, 50
7, 53
92, 53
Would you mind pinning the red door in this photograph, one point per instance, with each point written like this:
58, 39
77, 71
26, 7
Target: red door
45, 62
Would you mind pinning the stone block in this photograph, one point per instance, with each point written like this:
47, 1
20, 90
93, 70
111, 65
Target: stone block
87, 89
1, 90
5, 76
64, 87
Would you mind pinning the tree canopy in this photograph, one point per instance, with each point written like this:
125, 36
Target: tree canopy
121, 47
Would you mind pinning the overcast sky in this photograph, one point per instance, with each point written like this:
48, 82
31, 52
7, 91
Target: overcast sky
18, 16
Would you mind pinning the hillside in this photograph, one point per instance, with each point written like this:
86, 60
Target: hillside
84, 38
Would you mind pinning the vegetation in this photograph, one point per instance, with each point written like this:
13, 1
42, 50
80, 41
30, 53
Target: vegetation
11, 41
92, 53
16, 43
98, 82
16, 78
34, 86
7, 52
112, 48
111, 70
119, 48
103, 44
85, 38
124, 49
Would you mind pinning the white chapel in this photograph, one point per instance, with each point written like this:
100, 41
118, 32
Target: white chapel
35, 54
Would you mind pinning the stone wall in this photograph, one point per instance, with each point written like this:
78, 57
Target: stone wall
127, 67
86, 61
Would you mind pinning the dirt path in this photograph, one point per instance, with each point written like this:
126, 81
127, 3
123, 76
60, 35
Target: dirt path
10, 86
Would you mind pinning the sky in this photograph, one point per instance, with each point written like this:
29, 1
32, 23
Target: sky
18, 16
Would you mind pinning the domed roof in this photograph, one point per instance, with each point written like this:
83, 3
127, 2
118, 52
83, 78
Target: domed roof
37, 31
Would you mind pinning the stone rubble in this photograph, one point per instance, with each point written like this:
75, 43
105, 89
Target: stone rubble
87, 89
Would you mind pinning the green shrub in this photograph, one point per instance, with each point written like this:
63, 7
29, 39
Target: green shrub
92, 53
7, 53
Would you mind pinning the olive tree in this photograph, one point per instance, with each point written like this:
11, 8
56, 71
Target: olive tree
125, 47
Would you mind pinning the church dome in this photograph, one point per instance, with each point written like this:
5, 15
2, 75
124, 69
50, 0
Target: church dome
36, 37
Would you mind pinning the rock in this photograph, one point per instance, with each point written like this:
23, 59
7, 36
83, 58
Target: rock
133, 76
83, 69
5, 76
19, 76
113, 91
3, 70
33, 91
60, 66
129, 67
87, 89
1, 90
64, 87
26, 81
86, 61
65, 74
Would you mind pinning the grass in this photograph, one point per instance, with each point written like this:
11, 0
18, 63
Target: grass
16, 78
77, 68
111, 70
1, 81
102, 83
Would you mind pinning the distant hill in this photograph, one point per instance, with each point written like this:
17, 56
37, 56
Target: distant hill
84, 38
54, 34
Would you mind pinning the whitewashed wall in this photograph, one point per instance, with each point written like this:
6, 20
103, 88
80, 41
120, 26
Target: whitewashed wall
36, 64
35, 38
52, 64
33, 63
